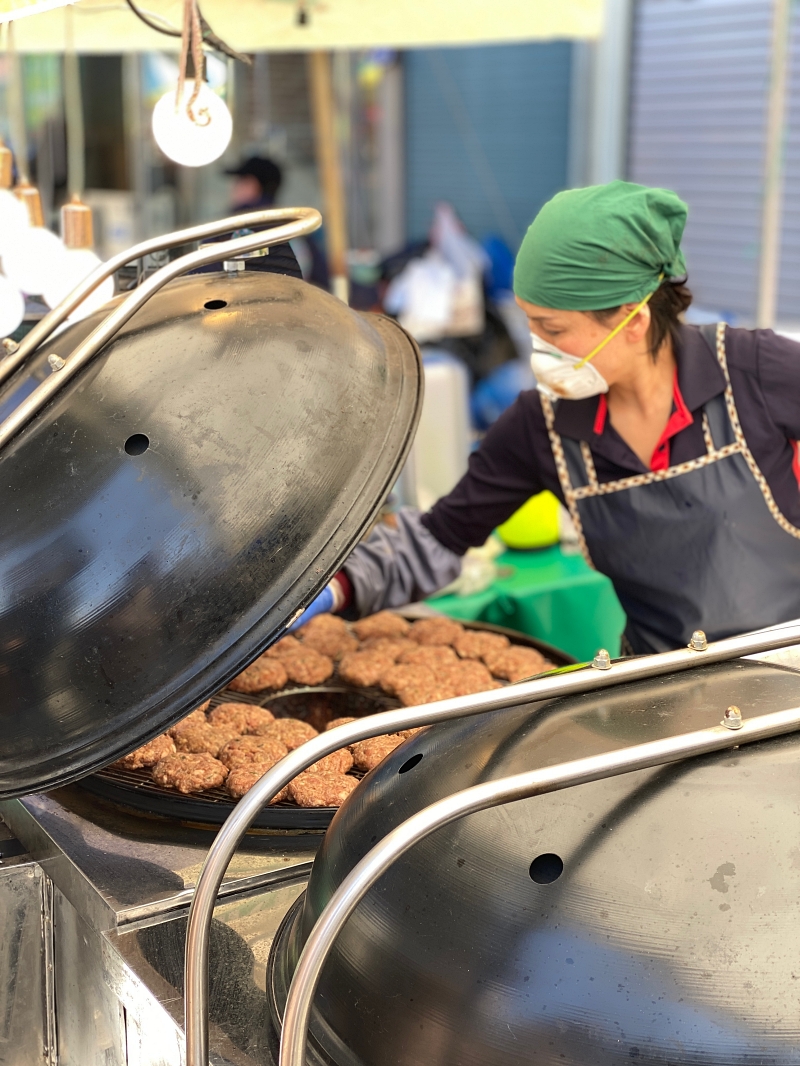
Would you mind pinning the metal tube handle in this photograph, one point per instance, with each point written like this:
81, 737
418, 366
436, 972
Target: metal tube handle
479, 798
305, 218
546, 687
308, 220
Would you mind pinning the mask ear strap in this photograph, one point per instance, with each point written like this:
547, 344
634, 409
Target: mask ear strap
618, 328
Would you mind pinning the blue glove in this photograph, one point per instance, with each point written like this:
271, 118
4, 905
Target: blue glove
323, 604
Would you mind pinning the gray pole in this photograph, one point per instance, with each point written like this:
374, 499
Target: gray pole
769, 262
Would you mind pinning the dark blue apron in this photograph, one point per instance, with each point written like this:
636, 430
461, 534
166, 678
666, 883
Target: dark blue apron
701, 545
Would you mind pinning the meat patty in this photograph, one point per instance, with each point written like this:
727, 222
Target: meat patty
256, 716
436, 656
403, 674
467, 677
148, 754
196, 717
364, 668
263, 673
392, 647
252, 751
436, 631
243, 778
307, 667
337, 722
516, 663
416, 693
337, 762
382, 624
285, 646
324, 789
189, 773
328, 635
289, 731
230, 716
474, 645
205, 738
367, 754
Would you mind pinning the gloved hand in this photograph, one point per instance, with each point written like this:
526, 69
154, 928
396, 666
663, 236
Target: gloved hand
332, 598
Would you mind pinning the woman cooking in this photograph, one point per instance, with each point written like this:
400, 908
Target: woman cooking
672, 446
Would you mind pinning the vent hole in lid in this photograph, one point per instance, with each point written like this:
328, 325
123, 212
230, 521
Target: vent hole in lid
547, 868
215, 305
409, 764
137, 444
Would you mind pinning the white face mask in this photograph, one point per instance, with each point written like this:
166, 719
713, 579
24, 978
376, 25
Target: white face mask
559, 376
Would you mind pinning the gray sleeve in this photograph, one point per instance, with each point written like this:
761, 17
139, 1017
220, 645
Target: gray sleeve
393, 567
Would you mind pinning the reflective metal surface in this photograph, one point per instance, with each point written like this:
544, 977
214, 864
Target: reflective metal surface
548, 686
26, 1002
647, 917
135, 583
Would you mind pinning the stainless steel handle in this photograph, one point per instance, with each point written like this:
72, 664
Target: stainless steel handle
479, 798
304, 220
546, 687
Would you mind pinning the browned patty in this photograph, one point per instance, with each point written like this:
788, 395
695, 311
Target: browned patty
324, 789
337, 762
189, 773
196, 717
308, 667
252, 751
364, 668
474, 645
243, 778
436, 631
263, 673
230, 716
148, 754
382, 624
516, 663
256, 716
467, 677
328, 635
436, 656
392, 647
416, 693
367, 754
339, 721
205, 738
403, 674
285, 646
289, 731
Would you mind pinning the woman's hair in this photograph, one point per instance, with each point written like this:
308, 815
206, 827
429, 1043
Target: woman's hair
667, 304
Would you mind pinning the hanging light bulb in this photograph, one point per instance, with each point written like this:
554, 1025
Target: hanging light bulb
192, 136
33, 264
78, 262
12, 307
13, 214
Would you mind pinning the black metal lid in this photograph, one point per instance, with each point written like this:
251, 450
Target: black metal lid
172, 509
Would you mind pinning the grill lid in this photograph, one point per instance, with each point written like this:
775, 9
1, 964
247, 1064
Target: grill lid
178, 502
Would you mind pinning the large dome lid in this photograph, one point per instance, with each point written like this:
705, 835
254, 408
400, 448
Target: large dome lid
177, 503
647, 918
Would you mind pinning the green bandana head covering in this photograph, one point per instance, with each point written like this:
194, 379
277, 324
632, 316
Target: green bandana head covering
599, 247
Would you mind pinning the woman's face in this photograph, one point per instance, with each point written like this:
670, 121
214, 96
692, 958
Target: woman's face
578, 333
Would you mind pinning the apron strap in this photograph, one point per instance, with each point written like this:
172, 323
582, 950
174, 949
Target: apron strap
557, 448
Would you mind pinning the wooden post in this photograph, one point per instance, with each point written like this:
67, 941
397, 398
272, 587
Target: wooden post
330, 171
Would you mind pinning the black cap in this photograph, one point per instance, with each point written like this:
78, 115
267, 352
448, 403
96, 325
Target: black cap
267, 173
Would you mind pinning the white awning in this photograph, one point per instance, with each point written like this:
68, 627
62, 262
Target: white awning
108, 26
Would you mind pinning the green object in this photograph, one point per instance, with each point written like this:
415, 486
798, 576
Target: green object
534, 525
550, 595
606, 245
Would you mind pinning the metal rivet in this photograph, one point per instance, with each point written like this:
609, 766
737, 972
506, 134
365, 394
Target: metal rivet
698, 641
233, 266
602, 661
56, 362
732, 718
9, 346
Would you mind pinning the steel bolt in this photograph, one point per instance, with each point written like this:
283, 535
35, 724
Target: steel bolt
602, 661
732, 718
56, 362
233, 266
9, 346
698, 641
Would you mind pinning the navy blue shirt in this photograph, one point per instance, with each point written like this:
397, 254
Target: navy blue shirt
514, 461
